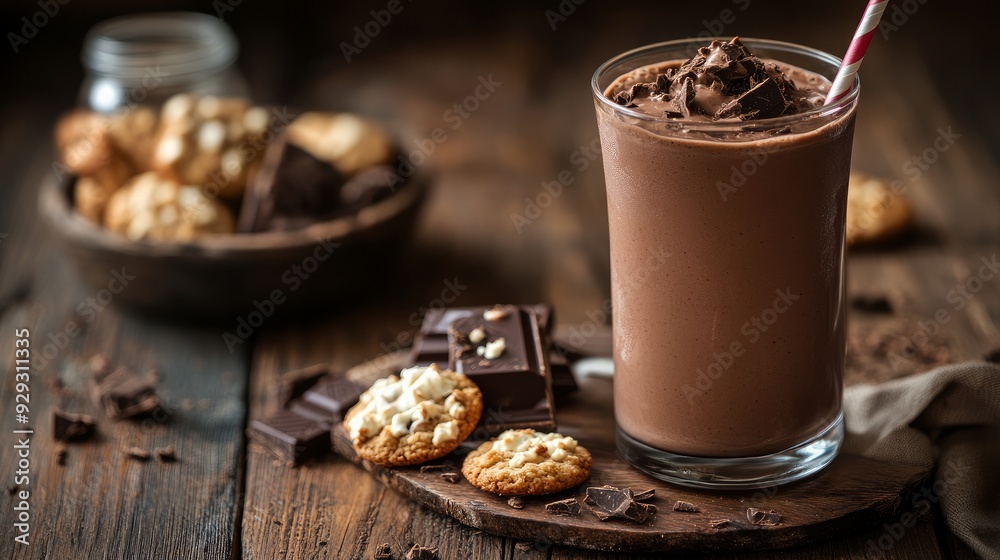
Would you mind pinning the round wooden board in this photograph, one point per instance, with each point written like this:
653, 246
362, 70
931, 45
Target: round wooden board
851, 493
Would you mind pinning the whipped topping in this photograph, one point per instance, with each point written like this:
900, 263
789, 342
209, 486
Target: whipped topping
529, 446
421, 399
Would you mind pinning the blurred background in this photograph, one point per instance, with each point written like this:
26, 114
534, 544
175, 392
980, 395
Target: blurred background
929, 67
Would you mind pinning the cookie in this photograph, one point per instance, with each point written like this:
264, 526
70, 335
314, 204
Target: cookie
210, 142
421, 415
152, 207
133, 131
527, 463
82, 142
348, 142
875, 212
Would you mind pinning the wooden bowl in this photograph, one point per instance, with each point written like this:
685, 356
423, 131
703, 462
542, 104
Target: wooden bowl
238, 277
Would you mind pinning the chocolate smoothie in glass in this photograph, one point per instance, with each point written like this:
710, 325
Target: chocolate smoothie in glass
729, 351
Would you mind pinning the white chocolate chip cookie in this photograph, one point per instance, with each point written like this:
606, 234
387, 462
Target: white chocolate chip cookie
151, 207
875, 212
348, 142
527, 463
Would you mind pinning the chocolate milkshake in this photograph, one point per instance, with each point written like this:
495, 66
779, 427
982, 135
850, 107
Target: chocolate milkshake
728, 356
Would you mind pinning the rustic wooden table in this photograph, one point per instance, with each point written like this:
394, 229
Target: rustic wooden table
225, 500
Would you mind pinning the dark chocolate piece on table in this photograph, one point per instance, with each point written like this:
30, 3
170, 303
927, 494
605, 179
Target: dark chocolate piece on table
137, 453
69, 427
296, 382
569, 506
720, 523
646, 495
517, 383
329, 399
563, 381
764, 518
608, 502
418, 552
291, 437
61, 453
516, 502
166, 454
124, 394
452, 477
688, 507
383, 552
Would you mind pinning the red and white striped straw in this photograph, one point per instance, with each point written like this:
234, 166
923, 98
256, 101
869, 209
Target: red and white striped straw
856, 52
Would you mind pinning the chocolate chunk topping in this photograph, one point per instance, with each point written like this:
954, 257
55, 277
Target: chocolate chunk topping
722, 81
764, 518
69, 427
871, 303
516, 502
681, 505
569, 506
418, 552
608, 502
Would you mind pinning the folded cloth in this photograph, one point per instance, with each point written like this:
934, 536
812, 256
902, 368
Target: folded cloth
949, 416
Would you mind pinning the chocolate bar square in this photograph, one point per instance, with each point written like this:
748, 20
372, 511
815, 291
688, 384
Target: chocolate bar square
516, 384
291, 437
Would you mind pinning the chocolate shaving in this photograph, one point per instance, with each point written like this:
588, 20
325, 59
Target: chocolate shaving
61, 453
647, 495
138, 454
123, 394
569, 507
720, 523
429, 468
452, 477
688, 507
418, 552
763, 518
608, 502
516, 502
166, 454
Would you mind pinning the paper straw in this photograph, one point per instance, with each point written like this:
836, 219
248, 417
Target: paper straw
856, 52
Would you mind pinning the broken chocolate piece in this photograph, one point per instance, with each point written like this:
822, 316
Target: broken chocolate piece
516, 502
69, 427
516, 384
138, 453
328, 400
452, 477
609, 502
166, 454
418, 552
383, 552
871, 303
291, 437
720, 523
61, 453
681, 505
569, 506
647, 495
763, 101
296, 382
764, 518
124, 394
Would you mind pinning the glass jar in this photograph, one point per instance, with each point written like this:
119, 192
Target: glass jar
145, 59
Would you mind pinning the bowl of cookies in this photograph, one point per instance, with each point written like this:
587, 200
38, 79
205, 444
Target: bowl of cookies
212, 207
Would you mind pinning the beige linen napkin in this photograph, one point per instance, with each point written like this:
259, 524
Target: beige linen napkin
949, 416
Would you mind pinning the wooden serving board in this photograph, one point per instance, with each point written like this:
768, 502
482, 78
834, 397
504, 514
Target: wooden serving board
853, 492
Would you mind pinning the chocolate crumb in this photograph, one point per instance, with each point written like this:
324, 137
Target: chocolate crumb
61, 453
609, 502
418, 552
516, 502
166, 454
647, 495
138, 454
872, 303
993, 356
451, 477
383, 552
720, 523
524, 546
11, 490
569, 506
764, 518
428, 468
681, 505
321, 543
